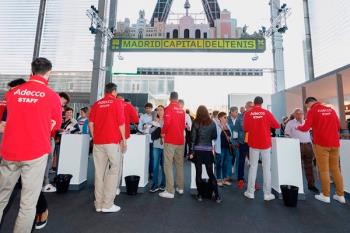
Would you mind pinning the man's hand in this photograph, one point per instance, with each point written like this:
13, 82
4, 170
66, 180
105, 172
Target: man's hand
53, 124
2, 126
123, 146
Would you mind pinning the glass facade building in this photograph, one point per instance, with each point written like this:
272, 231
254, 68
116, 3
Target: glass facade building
330, 33
66, 41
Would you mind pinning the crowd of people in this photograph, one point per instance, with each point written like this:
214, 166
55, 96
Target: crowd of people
225, 143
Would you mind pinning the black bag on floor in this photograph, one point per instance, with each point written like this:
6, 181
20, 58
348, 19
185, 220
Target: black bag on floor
62, 182
206, 189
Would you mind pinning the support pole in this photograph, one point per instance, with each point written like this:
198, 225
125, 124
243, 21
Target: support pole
340, 94
98, 72
303, 97
110, 55
277, 50
308, 43
39, 29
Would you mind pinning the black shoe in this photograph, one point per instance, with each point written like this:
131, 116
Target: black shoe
154, 190
162, 189
40, 225
199, 198
313, 189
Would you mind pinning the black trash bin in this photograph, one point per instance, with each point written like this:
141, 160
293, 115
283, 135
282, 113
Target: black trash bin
132, 184
62, 182
290, 195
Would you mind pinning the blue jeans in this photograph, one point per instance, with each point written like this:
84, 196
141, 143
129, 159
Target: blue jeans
222, 161
158, 161
228, 164
235, 158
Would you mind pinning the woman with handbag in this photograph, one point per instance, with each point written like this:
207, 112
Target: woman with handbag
223, 150
203, 134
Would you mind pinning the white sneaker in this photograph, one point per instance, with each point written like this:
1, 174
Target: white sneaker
269, 197
165, 194
118, 192
113, 209
249, 195
98, 210
323, 198
340, 199
49, 188
179, 191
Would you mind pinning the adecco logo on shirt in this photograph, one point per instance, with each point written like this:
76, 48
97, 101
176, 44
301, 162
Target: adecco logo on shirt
325, 112
257, 115
27, 93
105, 103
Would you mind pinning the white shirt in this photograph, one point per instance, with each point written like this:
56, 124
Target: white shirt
188, 121
292, 132
145, 119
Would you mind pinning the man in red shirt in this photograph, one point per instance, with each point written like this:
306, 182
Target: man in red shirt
107, 127
131, 117
25, 154
174, 146
258, 123
325, 130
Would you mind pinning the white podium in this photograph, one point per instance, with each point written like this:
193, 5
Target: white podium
286, 168
73, 159
345, 164
136, 160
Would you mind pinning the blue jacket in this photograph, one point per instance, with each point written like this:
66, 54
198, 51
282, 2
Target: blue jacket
241, 132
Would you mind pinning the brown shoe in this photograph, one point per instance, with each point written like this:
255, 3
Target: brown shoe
41, 220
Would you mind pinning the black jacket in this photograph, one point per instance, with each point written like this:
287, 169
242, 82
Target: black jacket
202, 135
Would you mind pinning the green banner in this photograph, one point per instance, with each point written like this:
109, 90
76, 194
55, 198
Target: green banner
189, 45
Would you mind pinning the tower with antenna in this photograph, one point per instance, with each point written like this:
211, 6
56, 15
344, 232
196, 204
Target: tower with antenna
187, 6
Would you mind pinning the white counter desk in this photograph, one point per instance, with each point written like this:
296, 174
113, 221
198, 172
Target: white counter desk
136, 160
345, 164
73, 158
286, 168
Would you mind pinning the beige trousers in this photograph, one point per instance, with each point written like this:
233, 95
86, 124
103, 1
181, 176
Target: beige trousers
32, 176
120, 175
327, 159
107, 160
174, 153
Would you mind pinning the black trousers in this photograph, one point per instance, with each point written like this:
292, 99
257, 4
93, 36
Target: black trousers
212, 178
243, 153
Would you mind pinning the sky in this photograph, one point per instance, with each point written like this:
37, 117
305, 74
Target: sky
254, 13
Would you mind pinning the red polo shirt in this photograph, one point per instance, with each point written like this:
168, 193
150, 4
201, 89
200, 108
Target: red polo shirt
2, 107
31, 107
131, 117
174, 124
107, 114
325, 125
258, 123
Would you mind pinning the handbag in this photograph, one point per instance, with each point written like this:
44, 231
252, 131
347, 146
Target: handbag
230, 145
